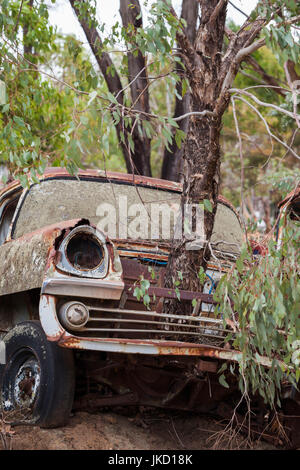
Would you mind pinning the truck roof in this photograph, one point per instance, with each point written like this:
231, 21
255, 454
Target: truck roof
146, 181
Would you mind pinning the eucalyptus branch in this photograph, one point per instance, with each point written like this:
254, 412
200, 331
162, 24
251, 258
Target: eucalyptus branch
267, 79
250, 49
241, 54
238, 9
294, 92
206, 112
130, 83
18, 18
268, 128
217, 10
289, 21
263, 103
240, 150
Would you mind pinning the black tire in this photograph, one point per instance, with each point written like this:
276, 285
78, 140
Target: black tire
38, 380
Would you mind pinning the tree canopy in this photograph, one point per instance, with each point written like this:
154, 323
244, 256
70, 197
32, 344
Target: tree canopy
60, 107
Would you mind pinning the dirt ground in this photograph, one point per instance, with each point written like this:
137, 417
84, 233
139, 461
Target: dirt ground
138, 430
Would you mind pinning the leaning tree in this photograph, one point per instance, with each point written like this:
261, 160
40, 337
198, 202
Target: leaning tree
200, 56
207, 57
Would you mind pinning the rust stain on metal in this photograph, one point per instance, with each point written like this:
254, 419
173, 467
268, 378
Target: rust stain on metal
139, 254
25, 260
163, 347
48, 314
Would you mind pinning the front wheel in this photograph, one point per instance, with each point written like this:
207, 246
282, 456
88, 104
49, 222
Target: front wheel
38, 380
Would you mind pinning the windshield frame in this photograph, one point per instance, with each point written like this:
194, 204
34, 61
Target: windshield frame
100, 179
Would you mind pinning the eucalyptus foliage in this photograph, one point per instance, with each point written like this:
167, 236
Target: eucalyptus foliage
58, 109
260, 299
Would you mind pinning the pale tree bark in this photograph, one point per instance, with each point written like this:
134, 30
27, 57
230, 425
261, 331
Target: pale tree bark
172, 166
137, 161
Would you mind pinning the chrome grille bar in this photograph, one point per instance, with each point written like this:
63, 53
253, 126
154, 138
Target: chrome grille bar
155, 314
183, 325
164, 332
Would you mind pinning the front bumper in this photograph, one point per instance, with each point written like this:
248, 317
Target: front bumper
55, 332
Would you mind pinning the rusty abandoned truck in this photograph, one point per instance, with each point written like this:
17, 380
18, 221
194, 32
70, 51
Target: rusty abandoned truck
68, 313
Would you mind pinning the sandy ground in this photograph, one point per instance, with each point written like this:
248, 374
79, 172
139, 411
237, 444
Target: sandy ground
139, 430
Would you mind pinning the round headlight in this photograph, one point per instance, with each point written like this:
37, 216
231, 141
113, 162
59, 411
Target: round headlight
84, 252
73, 315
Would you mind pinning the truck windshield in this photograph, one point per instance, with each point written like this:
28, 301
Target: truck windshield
123, 211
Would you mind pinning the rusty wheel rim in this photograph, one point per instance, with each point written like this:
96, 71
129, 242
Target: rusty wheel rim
27, 383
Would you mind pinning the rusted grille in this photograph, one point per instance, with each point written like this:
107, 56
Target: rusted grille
124, 323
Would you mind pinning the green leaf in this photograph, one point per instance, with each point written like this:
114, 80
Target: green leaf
201, 275
5, 108
239, 265
172, 122
84, 120
145, 284
2, 93
184, 87
4, 179
19, 121
111, 97
137, 293
207, 205
222, 368
23, 180
179, 137
223, 381
92, 96
146, 299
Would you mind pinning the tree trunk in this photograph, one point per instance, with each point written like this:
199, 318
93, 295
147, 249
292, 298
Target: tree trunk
130, 11
200, 183
28, 49
138, 160
172, 167
202, 147
210, 71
